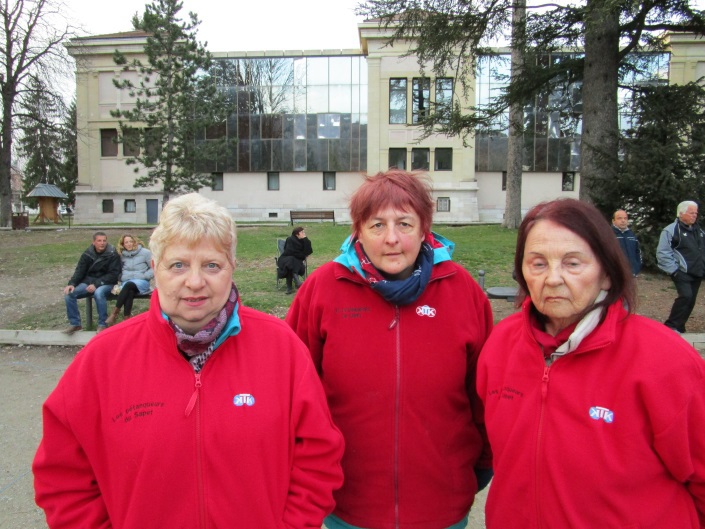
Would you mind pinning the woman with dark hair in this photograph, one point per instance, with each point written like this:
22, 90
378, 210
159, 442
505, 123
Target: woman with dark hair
395, 328
290, 264
595, 415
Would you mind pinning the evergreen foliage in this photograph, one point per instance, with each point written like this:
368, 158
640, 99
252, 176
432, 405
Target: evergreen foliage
69, 150
175, 129
42, 138
663, 162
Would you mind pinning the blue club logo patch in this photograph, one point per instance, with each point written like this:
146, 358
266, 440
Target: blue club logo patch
244, 399
597, 413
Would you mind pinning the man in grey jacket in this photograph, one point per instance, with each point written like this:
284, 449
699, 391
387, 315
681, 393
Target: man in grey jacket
681, 254
97, 271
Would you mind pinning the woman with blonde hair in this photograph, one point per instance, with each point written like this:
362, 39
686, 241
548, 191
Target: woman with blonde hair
198, 413
135, 277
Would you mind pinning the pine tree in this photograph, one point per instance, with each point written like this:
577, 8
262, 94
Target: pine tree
176, 127
41, 137
69, 154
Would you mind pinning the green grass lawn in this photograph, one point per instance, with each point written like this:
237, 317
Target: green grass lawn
35, 256
488, 248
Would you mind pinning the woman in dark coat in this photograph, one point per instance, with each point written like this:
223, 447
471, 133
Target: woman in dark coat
291, 262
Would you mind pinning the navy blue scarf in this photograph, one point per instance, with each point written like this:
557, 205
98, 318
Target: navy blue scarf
400, 291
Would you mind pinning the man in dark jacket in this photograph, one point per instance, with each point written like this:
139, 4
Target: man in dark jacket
97, 271
627, 240
681, 254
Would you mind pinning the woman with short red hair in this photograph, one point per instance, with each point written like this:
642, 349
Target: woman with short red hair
395, 328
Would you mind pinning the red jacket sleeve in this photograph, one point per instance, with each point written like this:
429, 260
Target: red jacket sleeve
483, 323
64, 483
318, 449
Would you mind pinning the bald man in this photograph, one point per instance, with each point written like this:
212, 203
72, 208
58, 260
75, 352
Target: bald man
627, 240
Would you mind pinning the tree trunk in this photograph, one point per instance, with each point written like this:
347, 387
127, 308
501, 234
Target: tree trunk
6, 163
515, 141
599, 143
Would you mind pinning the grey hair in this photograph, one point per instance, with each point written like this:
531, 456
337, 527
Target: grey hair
683, 206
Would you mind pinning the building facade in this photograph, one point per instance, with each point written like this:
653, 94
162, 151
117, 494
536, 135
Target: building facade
306, 126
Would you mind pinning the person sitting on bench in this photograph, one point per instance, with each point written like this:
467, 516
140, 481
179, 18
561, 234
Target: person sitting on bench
136, 274
291, 262
97, 271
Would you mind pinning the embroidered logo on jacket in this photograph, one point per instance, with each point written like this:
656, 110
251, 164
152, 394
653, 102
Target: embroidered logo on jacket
597, 413
244, 399
426, 311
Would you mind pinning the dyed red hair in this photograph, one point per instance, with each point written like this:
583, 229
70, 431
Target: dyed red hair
400, 190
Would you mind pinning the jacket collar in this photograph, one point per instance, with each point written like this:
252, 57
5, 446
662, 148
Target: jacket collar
604, 334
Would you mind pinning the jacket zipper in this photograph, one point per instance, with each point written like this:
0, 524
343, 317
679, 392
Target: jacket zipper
394, 325
194, 402
544, 393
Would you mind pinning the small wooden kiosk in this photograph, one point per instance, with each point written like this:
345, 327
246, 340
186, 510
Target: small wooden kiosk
49, 196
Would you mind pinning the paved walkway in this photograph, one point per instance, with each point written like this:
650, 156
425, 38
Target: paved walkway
29, 370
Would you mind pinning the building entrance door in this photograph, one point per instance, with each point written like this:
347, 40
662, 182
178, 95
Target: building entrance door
152, 211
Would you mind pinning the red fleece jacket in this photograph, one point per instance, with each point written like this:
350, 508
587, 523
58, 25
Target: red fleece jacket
611, 435
400, 382
133, 439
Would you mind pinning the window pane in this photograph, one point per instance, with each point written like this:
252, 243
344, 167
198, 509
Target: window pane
215, 131
420, 94
444, 95
397, 101
443, 160
272, 181
340, 70
443, 204
107, 206
568, 183
130, 206
340, 98
243, 159
329, 126
397, 158
299, 155
217, 184
108, 142
420, 159
329, 181
339, 155
317, 70
131, 142
444, 90
317, 99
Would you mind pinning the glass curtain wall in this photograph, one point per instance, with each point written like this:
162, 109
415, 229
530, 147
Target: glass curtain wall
295, 113
553, 122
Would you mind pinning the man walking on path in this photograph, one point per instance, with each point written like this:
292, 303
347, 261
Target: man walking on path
681, 254
627, 240
97, 271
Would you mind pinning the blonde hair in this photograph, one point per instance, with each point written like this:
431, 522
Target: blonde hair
190, 219
121, 245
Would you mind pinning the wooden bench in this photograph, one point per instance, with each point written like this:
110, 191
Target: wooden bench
109, 297
312, 214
